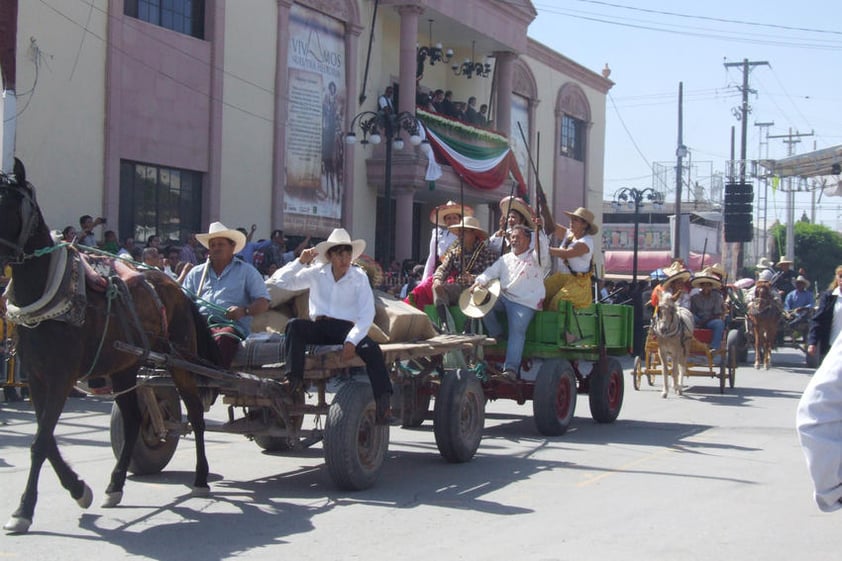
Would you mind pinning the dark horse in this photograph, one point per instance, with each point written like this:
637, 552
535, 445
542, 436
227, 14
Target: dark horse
765, 313
56, 352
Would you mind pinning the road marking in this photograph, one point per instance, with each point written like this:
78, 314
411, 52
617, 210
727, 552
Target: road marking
623, 468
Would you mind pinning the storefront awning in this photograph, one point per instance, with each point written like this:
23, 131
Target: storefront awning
621, 263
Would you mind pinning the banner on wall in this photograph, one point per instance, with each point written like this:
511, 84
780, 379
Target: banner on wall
649, 237
316, 88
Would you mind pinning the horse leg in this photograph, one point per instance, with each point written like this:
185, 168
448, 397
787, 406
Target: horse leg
131, 416
758, 345
44, 447
665, 371
679, 369
196, 414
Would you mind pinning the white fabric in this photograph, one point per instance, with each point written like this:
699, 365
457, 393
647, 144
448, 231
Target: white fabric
433, 168
521, 278
445, 239
350, 298
819, 424
581, 264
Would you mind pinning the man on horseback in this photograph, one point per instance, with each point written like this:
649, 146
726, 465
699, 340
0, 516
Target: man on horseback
230, 290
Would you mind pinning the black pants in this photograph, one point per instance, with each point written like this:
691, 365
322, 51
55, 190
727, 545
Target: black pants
328, 331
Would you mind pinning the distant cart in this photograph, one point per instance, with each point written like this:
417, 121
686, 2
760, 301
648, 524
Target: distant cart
720, 364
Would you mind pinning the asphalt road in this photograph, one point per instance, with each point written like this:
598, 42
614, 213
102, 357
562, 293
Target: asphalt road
704, 476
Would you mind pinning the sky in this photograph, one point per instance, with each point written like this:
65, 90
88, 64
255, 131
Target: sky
653, 45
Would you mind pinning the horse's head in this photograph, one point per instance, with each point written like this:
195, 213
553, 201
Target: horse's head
666, 307
19, 214
762, 291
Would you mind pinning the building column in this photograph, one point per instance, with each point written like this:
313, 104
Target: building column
404, 198
352, 41
504, 67
279, 133
408, 53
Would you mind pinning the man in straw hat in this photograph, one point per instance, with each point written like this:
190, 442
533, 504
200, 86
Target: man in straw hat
521, 295
572, 280
230, 290
800, 301
708, 306
785, 276
443, 217
341, 313
467, 257
514, 211
675, 282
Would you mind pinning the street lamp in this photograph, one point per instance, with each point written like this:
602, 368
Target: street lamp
374, 126
634, 198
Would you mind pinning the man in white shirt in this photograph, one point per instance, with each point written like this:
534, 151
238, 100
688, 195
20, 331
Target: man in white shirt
521, 295
341, 312
384, 102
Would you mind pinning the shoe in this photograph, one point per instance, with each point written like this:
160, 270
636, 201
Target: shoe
509, 375
383, 409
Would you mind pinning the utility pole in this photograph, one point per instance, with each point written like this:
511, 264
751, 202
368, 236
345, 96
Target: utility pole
743, 116
762, 248
680, 152
791, 140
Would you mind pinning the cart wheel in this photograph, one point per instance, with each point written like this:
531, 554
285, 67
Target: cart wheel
636, 374
459, 415
281, 443
415, 405
733, 352
554, 398
606, 394
354, 446
722, 371
150, 454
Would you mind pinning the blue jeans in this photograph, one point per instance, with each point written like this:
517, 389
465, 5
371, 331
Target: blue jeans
518, 317
717, 326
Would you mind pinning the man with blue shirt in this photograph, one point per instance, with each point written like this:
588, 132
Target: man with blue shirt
230, 291
800, 301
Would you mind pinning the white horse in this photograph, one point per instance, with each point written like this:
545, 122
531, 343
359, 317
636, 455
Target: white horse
673, 329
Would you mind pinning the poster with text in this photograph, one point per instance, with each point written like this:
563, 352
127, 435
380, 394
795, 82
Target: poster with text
315, 139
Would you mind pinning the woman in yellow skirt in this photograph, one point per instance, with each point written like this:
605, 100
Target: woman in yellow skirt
572, 281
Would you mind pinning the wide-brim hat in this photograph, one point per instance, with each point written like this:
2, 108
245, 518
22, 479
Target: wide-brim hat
705, 277
764, 263
718, 269
518, 204
448, 208
478, 303
339, 236
469, 223
802, 278
220, 230
785, 261
765, 275
585, 215
681, 277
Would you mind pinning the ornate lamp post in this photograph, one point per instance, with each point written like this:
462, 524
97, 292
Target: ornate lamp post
634, 198
375, 125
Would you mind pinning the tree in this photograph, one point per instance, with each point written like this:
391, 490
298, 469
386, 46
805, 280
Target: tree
818, 250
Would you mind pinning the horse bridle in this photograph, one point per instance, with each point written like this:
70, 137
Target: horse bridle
29, 217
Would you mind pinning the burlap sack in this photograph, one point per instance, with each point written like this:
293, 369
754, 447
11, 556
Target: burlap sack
400, 321
273, 321
279, 295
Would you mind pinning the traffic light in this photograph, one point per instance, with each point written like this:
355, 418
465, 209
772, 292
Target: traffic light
738, 212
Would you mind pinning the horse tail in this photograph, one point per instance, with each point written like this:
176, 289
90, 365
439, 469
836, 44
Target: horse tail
205, 345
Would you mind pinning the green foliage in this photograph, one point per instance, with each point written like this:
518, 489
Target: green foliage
818, 250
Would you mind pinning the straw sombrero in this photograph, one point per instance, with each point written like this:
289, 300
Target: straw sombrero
675, 272
707, 276
220, 230
339, 236
469, 223
518, 204
785, 261
478, 303
764, 263
448, 208
585, 215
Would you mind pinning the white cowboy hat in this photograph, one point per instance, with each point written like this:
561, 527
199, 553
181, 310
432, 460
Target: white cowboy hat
478, 303
448, 208
765, 275
220, 230
585, 215
802, 278
469, 223
785, 261
518, 204
339, 236
764, 263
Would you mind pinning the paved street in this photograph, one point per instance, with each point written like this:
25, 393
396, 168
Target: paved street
706, 476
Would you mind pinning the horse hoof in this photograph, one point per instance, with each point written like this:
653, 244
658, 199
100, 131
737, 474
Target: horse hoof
112, 499
87, 497
199, 491
17, 525
664, 394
